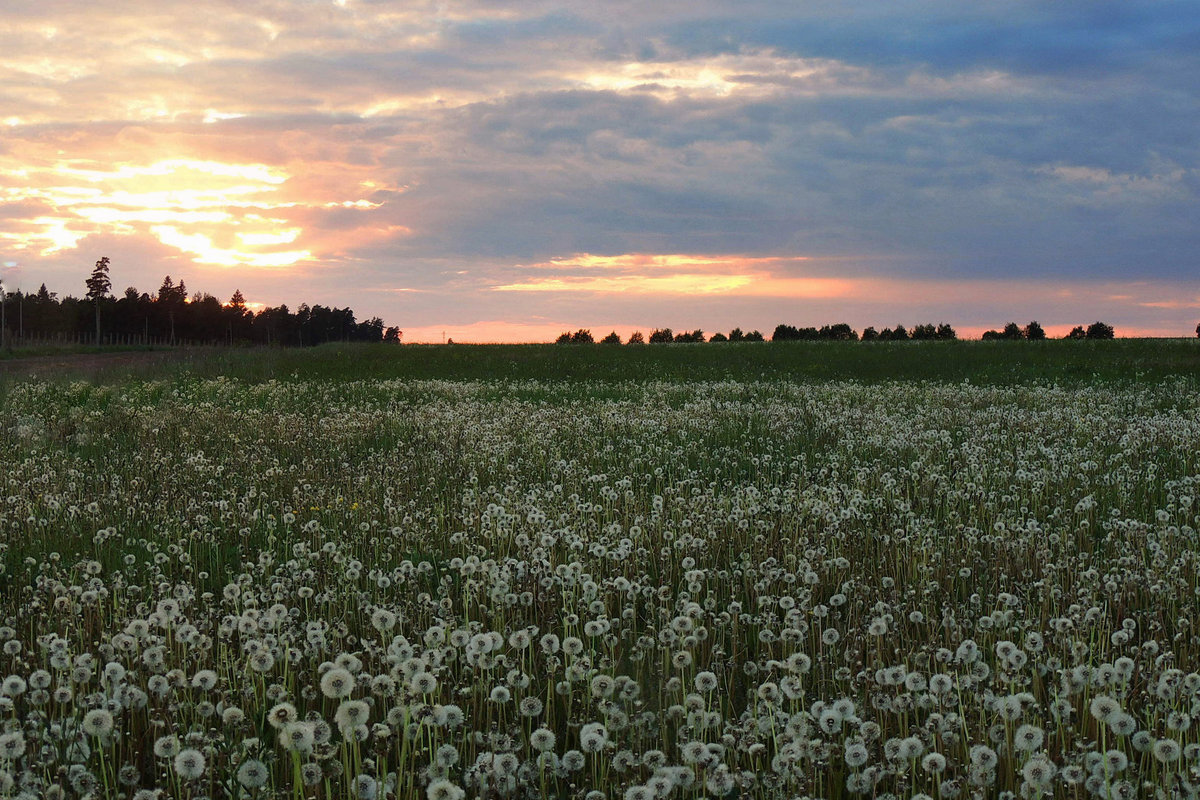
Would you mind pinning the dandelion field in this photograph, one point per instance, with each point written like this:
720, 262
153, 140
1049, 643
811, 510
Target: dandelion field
374, 586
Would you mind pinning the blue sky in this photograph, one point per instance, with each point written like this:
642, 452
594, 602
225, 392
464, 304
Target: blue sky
503, 171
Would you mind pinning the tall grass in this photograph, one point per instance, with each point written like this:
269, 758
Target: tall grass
328, 573
994, 363
1124, 360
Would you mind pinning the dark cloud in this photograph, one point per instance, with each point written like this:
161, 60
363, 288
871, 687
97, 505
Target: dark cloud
1081, 38
439, 147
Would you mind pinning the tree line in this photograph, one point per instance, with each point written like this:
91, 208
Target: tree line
1034, 332
170, 316
841, 331
660, 336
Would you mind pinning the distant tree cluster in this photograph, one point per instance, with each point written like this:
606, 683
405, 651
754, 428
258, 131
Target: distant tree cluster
171, 316
659, 336
1097, 330
581, 336
926, 331
736, 335
844, 333
839, 332
1033, 332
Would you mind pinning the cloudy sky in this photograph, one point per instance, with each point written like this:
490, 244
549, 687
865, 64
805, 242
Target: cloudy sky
503, 170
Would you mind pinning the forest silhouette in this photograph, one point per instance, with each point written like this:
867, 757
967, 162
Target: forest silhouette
171, 316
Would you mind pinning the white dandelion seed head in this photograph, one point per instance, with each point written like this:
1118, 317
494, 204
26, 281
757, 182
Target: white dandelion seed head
337, 683
253, 774
189, 764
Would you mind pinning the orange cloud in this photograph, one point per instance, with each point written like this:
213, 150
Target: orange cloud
640, 284
679, 274
1171, 304
221, 213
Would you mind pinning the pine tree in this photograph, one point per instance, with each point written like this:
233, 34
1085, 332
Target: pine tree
98, 285
172, 297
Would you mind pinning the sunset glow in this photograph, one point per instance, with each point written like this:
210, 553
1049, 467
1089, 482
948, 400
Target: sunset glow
640, 284
222, 214
680, 274
749, 74
514, 168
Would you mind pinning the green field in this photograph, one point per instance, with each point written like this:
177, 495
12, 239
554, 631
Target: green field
981, 362
696, 571
996, 362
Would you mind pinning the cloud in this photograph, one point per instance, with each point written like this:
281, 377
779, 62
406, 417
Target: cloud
676, 274
223, 213
1101, 184
460, 149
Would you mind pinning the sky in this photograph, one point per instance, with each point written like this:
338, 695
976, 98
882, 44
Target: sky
488, 170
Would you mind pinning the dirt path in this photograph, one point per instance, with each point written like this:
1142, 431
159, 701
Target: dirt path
85, 363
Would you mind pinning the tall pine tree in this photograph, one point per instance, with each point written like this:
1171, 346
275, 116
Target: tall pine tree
98, 286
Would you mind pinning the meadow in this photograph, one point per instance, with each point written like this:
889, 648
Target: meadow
942, 570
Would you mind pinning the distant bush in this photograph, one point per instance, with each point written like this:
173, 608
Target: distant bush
942, 332
924, 331
581, 336
662, 336
788, 333
738, 335
612, 338
694, 337
841, 332
720, 337
636, 338
1097, 330
1032, 332
1010, 331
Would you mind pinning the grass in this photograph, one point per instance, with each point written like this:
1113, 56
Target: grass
1000, 363
15, 353
1125, 361
738, 511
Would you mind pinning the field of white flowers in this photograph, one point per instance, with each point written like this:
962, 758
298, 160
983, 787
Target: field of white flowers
376, 589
